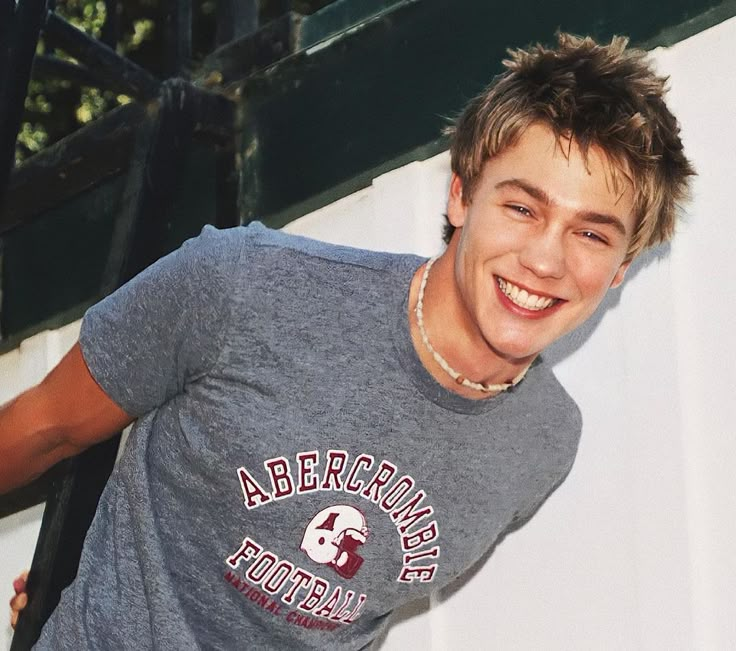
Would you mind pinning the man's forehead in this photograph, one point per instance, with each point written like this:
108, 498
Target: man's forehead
568, 146
616, 166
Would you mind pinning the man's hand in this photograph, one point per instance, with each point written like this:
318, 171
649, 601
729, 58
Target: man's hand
20, 598
62, 416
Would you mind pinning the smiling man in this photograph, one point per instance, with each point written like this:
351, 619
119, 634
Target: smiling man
544, 234
324, 433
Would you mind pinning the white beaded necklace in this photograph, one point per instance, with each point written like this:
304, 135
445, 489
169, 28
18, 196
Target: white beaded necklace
459, 378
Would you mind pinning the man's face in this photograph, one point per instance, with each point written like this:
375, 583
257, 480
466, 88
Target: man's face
540, 242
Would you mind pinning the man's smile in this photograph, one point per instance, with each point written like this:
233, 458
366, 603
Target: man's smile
534, 302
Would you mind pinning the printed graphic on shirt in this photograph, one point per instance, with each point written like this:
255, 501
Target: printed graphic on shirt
333, 537
287, 590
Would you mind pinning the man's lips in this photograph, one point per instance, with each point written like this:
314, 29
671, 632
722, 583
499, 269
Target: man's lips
524, 300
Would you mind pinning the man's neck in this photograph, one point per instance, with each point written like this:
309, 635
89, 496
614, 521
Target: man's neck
454, 336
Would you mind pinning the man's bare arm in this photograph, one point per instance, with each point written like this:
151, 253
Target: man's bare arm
64, 414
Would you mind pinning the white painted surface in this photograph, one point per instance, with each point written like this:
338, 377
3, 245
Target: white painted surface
703, 271
634, 550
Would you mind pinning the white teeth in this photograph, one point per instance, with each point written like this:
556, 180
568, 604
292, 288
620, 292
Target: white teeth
523, 298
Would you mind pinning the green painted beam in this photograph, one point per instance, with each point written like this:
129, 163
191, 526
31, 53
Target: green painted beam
324, 121
52, 268
338, 17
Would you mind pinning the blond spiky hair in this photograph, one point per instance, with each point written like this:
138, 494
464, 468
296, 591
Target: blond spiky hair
606, 96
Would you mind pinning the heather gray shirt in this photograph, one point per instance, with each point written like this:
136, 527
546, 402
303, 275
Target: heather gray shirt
295, 474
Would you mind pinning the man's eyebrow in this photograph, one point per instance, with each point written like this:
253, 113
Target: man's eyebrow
541, 196
532, 190
597, 218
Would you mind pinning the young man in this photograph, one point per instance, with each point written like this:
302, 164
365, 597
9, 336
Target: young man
323, 433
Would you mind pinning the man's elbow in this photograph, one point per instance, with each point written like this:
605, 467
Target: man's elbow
29, 441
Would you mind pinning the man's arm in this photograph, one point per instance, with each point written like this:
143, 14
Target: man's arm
64, 414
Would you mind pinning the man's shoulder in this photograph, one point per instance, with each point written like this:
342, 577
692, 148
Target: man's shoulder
271, 265
274, 246
555, 406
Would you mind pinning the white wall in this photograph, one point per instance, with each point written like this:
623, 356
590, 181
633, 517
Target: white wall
704, 274
634, 550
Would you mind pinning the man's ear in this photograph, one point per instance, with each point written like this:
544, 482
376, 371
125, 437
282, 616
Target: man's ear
620, 274
456, 206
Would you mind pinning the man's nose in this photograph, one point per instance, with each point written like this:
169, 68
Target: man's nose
544, 254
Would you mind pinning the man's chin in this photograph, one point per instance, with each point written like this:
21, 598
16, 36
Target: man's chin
515, 353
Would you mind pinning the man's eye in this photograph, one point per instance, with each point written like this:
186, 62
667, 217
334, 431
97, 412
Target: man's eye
521, 210
594, 237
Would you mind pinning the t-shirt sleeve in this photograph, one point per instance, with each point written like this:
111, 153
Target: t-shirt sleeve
562, 449
165, 327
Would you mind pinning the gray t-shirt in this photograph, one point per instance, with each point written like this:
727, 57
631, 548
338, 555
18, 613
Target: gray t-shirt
295, 474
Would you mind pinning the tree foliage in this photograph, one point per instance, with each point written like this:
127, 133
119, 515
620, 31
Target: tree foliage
56, 107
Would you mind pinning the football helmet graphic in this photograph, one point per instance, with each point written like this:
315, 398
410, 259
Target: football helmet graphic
333, 536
